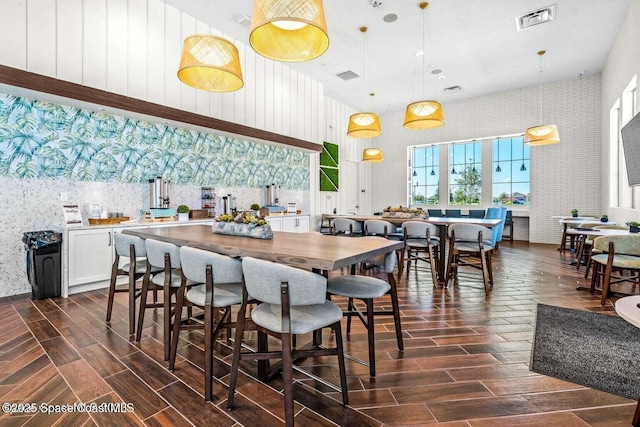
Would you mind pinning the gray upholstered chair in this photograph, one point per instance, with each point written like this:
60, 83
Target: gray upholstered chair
347, 226
167, 257
618, 253
380, 227
420, 244
470, 245
291, 302
222, 288
131, 247
366, 289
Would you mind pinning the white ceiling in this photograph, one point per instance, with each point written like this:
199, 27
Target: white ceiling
474, 42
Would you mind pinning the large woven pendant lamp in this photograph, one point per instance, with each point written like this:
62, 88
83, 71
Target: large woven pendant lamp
210, 63
423, 114
372, 155
289, 30
364, 125
542, 134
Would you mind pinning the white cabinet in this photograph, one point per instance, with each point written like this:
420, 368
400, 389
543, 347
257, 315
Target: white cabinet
290, 224
90, 255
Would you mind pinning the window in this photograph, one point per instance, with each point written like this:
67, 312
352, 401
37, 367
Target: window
511, 172
424, 175
465, 173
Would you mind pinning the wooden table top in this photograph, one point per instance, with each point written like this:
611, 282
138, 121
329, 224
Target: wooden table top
303, 250
434, 220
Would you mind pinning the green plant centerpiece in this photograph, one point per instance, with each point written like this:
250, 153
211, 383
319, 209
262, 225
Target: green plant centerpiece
243, 224
183, 213
604, 218
403, 212
255, 207
634, 226
574, 213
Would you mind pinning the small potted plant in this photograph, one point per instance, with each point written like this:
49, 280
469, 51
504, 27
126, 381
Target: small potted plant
604, 218
255, 207
183, 213
634, 227
574, 213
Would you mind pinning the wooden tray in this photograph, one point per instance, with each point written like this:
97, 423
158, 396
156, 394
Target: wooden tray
105, 221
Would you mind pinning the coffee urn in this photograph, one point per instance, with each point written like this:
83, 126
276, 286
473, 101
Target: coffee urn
158, 193
273, 197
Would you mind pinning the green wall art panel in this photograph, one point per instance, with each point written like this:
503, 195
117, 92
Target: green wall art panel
44, 140
329, 172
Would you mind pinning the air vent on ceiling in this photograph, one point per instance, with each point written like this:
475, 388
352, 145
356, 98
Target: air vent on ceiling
536, 17
348, 75
452, 89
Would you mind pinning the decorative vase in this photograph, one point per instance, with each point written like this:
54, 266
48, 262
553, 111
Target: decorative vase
634, 229
182, 217
604, 219
574, 215
242, 229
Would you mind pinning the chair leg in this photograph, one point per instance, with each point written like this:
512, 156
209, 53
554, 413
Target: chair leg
112, 287
143, 305
132, 298
432, 265
237, 348
485, 272
167, 320
595, 277
350, 310
208, 352
490, 269
287, 373
337, 329
371, 337
177, 318
396, 310
605, 283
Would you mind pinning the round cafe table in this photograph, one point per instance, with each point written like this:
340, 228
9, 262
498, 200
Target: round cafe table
629, 310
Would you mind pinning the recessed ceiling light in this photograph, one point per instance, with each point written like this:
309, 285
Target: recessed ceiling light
420, 53
442, 77
452, 89
436, 71
390, 17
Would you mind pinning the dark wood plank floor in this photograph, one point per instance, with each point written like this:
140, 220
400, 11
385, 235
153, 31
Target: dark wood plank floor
465, 361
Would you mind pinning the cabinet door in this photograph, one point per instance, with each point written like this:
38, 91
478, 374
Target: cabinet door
303, 224
290, 224
275, 223
90, 255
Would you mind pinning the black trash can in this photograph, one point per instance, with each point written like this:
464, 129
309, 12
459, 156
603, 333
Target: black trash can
43, 263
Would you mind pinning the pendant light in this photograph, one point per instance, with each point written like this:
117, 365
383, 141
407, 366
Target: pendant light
498, 168
423, 114
289, 30
453, 158
210, 63
523, 167
364, 125
543, 134
432, 171
473, 147
372, 155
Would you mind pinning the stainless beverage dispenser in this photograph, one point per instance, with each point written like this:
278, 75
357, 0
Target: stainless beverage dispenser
273, 195
158, 193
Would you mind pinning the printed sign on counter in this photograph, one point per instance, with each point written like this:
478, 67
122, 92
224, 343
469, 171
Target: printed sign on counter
72, 216
291, 208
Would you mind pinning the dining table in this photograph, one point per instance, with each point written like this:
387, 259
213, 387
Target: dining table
443, 224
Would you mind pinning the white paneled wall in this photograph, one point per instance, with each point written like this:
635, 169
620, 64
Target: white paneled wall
563, 176
132, 48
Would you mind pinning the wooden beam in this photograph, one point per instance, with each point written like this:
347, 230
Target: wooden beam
37, 82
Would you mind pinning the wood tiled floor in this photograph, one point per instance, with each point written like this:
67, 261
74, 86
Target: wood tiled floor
465, 361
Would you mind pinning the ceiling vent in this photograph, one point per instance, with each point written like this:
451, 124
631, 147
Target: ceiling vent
452, 89
536, 17
347, 75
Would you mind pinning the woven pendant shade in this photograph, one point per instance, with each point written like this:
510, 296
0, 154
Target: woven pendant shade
542, 135
364, 125
372, 155
289, 30
210, 63
423, 115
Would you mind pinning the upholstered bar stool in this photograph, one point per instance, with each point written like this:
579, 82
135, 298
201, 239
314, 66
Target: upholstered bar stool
470, 245
222, 288
421, 244
131, 247
167, 257
366, 289
291, 302
347, 227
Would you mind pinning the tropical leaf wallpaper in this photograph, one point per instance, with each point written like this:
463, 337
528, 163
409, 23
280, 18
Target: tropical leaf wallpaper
44, 140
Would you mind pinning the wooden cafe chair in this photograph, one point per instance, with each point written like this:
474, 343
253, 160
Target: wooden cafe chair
618, 254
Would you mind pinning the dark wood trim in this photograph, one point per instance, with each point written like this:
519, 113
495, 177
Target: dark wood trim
52, 86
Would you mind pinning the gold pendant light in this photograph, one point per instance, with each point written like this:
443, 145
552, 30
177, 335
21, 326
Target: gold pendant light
372, 155
364, 125
543, 134
289, 30
210, 63
423, 114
